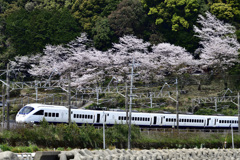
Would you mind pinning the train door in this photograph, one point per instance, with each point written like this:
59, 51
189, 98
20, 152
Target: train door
208, 121
98, 118
215, 122
38, 116
154, 120
161, 120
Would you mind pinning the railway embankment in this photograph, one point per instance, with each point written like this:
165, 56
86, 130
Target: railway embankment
134, 154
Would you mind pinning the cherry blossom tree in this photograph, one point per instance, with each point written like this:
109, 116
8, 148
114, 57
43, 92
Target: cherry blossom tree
88, 65
219, 46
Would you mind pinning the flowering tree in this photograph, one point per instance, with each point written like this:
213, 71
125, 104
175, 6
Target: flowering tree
219, 43
87, 65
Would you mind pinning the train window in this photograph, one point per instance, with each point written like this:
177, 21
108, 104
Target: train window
125, 118
91, 116
85, 116
88, 116
26, 110
166, 119
132, 118
46, 113
53, 114
119, 118
49, 114
57, 114
74, 116
39, 112
141, 119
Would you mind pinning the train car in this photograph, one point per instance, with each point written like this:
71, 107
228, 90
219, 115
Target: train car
35, 113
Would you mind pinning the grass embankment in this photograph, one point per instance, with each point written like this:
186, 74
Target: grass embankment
65, 137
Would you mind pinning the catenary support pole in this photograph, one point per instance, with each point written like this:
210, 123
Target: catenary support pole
238, 114
3, 105
232, 137
69, 98
104, 145
8, 97
126, 103
130, 108
177, 109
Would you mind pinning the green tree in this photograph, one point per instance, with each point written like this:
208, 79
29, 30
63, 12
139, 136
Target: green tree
178, 14
226, 10
88, 11
128, 18
102, 34
31, 31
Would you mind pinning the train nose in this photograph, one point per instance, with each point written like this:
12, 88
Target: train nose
20, 119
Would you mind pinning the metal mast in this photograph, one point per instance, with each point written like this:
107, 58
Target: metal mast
130, 107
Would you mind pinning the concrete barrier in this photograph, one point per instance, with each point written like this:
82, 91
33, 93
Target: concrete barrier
7, 155
47, 155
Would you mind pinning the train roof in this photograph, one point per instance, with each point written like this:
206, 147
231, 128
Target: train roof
38, 105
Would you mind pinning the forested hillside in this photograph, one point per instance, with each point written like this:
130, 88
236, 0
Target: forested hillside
27, 26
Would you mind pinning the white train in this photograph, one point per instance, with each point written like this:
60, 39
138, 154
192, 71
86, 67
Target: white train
34, 113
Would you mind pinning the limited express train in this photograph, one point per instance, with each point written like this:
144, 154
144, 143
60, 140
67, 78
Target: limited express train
35, 113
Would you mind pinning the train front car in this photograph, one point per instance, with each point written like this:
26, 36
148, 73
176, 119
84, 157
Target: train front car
24, 114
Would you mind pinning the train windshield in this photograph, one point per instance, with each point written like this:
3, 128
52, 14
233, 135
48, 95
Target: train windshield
26, 110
